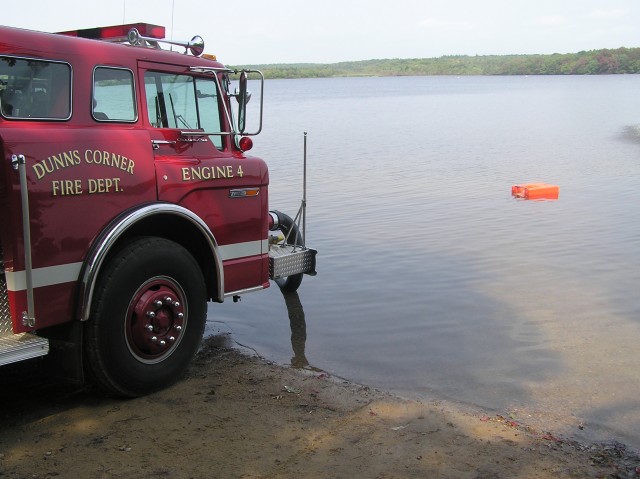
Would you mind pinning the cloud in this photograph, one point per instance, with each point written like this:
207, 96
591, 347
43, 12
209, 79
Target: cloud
605, 14
552, 20
444, 24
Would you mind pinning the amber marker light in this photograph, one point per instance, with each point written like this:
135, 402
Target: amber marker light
244, 193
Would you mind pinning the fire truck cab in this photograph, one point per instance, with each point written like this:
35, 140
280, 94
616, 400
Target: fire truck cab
127, 202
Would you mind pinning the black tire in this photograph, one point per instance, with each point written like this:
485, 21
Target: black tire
147, 320
290, 284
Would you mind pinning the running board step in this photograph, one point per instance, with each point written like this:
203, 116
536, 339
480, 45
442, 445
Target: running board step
19, 347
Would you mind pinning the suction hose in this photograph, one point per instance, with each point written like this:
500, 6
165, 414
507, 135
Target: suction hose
292, 236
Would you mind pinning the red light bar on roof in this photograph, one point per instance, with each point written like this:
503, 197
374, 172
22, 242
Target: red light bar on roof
118, 32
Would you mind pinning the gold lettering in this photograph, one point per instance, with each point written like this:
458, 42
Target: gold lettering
56, 162
48, 165
89, 155
71, 158
39, 170
116, 160
104, 185
209, 172
106, 158
66, 187
96, 185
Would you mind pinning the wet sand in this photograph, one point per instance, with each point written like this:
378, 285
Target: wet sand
235, 416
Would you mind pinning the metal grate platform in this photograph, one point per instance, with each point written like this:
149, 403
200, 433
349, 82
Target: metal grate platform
287, 260
5, 315
15, 347
18, 347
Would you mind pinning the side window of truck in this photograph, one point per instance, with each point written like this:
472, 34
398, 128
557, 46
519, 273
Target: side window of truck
34, 89
183, 102
113, 95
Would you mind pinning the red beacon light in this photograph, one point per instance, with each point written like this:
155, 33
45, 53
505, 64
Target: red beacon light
245, 143
116, 33
138, 34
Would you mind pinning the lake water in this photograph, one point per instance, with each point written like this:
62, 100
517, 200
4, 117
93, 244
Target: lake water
433, 281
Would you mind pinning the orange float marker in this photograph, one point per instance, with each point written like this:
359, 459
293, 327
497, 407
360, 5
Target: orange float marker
535, 191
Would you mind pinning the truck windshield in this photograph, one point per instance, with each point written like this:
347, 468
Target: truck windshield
184, 102
34, 89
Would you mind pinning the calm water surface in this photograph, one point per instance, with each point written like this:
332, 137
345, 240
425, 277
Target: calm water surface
433, 281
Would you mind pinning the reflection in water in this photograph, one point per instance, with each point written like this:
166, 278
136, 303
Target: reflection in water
298, 331
631, 133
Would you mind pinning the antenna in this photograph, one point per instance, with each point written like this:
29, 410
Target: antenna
173, 6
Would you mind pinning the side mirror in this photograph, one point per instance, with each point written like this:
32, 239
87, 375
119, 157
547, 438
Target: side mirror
243, 98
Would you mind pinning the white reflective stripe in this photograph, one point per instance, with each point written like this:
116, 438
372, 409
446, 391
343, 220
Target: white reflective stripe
242, 250
66, 273
51, 275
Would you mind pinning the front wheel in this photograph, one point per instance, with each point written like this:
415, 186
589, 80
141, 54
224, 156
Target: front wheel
148, 318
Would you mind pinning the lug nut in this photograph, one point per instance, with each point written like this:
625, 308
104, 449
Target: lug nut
172, 339
180, 315
168, 300
178, 327
149, 327
151, 314
154, 339
176, 304
157, 303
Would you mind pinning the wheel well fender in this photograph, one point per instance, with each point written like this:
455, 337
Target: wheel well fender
163, 220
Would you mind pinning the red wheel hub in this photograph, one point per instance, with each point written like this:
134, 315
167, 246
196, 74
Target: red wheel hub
156, 319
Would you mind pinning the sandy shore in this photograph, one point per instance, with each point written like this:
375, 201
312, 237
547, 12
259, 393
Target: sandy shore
233, 416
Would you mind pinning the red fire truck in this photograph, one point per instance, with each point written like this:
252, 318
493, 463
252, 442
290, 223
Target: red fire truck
127, 202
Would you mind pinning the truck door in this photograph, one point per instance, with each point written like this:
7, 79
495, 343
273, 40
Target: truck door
203, 172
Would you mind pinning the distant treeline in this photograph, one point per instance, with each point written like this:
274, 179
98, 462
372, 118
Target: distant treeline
594, 62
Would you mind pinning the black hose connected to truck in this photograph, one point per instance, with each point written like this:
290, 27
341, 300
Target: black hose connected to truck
292, 236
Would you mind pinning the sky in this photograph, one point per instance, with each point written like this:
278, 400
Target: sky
330, 31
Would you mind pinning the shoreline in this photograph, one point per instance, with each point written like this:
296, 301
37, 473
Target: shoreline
239, 416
